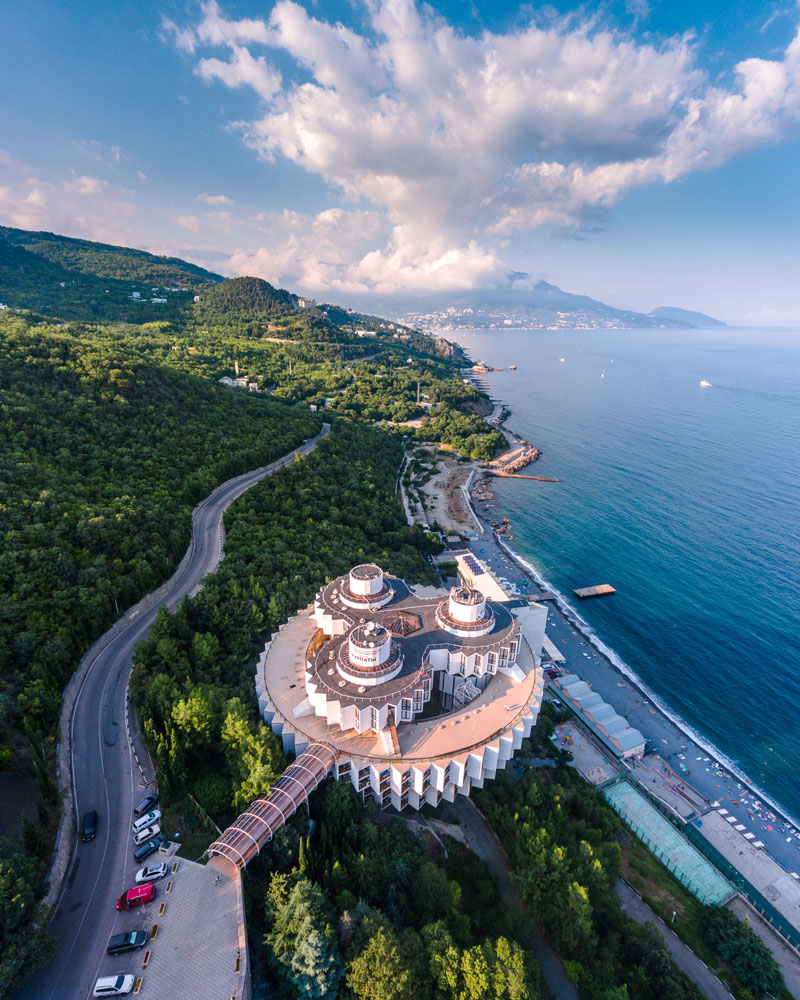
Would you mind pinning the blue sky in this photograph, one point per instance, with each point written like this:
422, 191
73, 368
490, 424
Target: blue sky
642, 152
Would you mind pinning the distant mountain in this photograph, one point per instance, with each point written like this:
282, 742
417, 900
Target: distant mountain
695, 319
544, 306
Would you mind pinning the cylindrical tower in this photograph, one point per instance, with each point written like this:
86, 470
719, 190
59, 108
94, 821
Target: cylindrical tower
364, 587
366, 580
465, 613
369, 657
466, 605
369, 646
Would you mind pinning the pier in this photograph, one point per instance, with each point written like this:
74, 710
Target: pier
599, 591
517, 475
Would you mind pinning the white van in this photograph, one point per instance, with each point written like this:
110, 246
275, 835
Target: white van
147, 820
149, 833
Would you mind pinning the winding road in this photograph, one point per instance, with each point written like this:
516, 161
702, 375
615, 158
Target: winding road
106, 777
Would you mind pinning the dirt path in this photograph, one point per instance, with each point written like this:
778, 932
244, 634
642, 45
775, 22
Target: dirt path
485, 844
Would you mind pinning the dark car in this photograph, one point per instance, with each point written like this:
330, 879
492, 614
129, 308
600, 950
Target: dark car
126, 942
89, 829
146, 849
146, 804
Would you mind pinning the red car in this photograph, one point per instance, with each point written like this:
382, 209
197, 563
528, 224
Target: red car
137, 896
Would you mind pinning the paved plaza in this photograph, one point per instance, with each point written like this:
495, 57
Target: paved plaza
200, 948
587, 757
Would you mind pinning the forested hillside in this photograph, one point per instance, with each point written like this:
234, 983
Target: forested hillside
102, 456
250, 307
285, 537
113, 424
75, 279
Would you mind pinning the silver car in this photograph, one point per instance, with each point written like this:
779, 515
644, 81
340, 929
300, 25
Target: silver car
149, 833
147, 820
152, 873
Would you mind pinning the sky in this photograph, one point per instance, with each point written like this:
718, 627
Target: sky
643, 152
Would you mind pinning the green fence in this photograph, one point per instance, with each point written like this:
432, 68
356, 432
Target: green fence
747, 889
670, 846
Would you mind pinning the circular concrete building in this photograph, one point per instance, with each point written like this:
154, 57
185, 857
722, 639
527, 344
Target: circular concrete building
419, 694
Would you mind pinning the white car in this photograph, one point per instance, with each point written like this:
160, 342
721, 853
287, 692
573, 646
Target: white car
152, 873
113, 986
149, 833
147, 820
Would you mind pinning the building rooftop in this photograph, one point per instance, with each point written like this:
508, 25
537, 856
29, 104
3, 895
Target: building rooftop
413, 644
504, 701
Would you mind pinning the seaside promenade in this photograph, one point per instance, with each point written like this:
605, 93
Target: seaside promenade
718, 788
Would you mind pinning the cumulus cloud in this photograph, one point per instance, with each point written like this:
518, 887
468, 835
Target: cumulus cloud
355, 251
461, 141
215, 199
81, 206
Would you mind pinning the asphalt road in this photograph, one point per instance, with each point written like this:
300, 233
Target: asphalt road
685, 958
105, 778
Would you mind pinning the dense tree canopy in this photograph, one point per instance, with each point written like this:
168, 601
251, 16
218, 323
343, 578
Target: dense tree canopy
102, 459
563, 843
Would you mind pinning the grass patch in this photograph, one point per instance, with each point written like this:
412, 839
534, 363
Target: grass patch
662, 892
183, 818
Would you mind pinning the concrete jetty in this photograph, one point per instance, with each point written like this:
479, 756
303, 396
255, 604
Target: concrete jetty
599, 591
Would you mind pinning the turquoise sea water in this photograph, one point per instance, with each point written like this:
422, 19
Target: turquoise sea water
687, 500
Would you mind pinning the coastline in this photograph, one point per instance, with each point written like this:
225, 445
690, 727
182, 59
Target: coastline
615, 662
765, 809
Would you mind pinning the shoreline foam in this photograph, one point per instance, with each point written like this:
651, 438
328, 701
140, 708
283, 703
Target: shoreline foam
615, 661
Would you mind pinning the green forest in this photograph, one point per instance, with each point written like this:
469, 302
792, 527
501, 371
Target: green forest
193, 676
113, 425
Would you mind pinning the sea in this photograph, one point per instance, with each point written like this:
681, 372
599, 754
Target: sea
686, 499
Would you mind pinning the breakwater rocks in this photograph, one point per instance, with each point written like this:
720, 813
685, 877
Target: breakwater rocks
528, 456
501, 417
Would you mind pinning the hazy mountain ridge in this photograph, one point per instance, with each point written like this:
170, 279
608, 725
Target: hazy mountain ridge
544, 306
694, 319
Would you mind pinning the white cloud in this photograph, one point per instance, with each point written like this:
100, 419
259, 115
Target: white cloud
214, 29
215, 199
109, 156
463, 140
335, 252
80, 206
242, 70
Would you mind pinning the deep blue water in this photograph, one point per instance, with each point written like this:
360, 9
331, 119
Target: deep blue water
687, 500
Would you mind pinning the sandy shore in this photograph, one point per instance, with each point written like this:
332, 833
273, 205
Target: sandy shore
443, 493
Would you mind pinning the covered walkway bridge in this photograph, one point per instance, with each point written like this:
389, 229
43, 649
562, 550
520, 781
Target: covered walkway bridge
245, 837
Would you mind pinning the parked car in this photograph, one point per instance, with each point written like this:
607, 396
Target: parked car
148, 833
130, 941
144, 852
152, 873
89, 829
148, 819
136, 896
148, 802
113, 986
